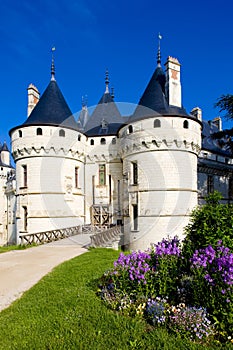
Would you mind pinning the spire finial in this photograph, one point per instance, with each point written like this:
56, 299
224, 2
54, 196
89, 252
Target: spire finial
159, 53
52, 65
106, 81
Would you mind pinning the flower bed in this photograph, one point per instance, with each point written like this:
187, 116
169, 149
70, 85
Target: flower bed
192, 298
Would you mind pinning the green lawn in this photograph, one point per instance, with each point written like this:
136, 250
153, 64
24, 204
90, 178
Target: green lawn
63, 312
7, 248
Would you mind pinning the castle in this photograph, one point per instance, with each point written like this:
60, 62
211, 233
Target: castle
145, 172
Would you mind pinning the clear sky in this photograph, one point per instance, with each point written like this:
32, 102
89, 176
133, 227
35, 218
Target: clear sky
91, 36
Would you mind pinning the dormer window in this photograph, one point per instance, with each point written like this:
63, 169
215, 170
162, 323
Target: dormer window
104, 124
186, 124
62, 133
157, 123
38, 131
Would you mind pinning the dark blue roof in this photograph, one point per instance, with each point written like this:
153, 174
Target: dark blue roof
4, 147
52, 109
105, 119
153, 100
209, 143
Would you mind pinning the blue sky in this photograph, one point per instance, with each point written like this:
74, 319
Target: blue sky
91, 36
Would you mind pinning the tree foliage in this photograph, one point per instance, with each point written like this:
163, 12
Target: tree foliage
209, 224
225, 104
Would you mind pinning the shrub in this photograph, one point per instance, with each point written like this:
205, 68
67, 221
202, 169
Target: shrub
209, 224
212, 271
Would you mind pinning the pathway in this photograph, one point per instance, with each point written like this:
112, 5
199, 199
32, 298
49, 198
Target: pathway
21, 269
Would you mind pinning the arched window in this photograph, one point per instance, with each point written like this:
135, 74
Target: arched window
38, 131
157, 123
103, 141
62, 133
92, 142
186, 124
130, 129
114, 141
20, 133
79, 137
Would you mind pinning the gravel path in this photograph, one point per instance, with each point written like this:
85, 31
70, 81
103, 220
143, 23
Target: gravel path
21, 269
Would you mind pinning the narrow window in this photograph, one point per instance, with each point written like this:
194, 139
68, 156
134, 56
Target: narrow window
110, 189
102, 174
186, 124
114, 141
135, 217
76, 177
20, 133
92, 142
134, 173
25, 175
130, 129
210, 184
25, 219
62, 133
38, 131
157, 123
79, 137
103, 141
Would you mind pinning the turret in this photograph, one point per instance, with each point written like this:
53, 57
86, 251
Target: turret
159, 150
49, 155
5, 155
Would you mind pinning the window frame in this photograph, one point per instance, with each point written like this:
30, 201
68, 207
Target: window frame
102, 174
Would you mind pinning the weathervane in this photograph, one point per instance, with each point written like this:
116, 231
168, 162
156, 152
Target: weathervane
159, 53
52, 65
106, 81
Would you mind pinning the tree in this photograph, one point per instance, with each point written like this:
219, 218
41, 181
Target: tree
225, 104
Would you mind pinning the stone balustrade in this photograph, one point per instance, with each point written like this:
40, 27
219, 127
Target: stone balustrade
107, 238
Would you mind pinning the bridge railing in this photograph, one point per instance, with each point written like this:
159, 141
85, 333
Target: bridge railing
109, 237
101, 236
48, 236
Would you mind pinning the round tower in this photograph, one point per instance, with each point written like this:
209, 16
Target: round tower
49, 154
159, 148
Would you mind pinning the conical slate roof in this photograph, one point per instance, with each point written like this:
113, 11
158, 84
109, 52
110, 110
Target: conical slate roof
52, 109
4, 147
153, 100
106, 118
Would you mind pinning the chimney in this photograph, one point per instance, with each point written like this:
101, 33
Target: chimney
217, 122
33, 98
172, 86
197, 113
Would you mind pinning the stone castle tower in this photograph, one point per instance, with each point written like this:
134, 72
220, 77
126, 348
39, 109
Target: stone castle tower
48, 150
159, 149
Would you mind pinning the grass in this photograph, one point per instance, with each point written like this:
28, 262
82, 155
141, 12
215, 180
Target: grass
62, 311
7, 248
